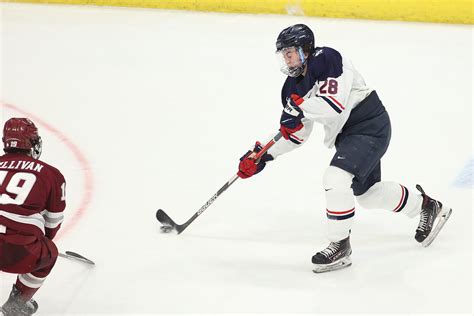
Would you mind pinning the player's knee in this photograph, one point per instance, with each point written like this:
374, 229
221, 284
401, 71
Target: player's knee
370, 199
364, 200
337, 178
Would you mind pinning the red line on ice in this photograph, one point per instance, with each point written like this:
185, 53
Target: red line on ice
85, 167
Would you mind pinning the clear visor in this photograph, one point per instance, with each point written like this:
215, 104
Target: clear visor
291, 61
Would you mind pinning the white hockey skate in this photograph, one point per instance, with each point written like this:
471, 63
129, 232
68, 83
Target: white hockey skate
336, 256
432, 212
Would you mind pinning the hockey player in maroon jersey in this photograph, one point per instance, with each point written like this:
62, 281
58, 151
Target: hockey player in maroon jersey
32, 201
323, 86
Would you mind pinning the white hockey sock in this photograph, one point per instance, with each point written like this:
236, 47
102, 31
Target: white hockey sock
340, 205
393, 197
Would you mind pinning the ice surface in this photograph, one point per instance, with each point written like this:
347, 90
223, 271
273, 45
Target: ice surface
466, 175
146, 109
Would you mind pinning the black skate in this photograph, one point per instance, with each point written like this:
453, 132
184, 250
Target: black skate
16, 306
431, 210
336, 256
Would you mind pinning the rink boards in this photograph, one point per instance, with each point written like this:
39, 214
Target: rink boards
438, 11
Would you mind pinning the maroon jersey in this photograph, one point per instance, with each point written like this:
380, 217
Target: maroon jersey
32, 195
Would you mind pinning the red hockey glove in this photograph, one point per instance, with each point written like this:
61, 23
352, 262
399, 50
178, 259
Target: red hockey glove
296, 99
290, 121
248, 166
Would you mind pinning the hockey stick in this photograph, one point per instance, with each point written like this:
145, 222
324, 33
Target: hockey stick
169, 225
76, 257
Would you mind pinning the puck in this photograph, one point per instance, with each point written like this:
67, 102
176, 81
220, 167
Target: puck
166, 229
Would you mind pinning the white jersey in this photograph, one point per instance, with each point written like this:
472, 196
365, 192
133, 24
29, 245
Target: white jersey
331, 88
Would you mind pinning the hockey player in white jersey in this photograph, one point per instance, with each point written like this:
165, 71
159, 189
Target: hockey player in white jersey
324, 87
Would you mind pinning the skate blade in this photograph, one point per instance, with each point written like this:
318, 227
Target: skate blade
442, 220
340, 264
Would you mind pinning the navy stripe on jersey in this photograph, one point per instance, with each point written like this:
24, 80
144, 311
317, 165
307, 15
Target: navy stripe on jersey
332, 104
340, 215
403, 200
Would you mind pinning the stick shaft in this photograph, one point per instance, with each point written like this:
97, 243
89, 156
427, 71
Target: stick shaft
268, 146
209, 202
227, 185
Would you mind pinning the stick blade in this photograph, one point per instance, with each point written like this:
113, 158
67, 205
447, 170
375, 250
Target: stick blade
76, 256
164, 219
168, 224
